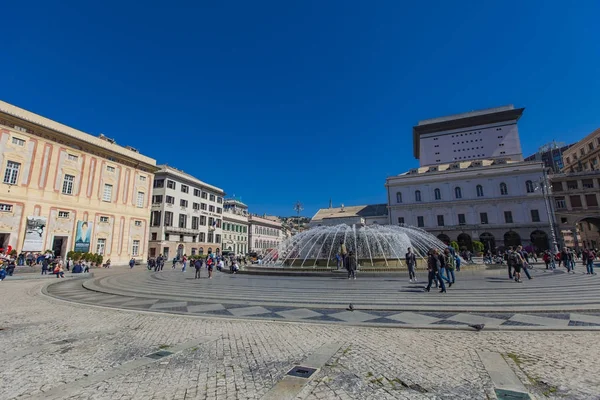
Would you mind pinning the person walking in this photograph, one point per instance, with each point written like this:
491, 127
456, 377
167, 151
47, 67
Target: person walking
184, 261
209, 266
198, 266
524, 262
411, 262
449, 258
433, 268
343, 254
589, 256
45, 267
351, 265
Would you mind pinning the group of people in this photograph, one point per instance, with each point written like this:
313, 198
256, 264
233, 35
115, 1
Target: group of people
211, 262
440, 268
568, 257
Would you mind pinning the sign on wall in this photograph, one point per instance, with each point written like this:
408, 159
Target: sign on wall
83, 236
34, 234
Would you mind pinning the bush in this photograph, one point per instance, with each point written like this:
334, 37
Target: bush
454, 245
478, 246
13, 253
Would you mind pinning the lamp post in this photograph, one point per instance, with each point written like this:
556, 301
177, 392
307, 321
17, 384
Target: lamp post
544, 185
298, 207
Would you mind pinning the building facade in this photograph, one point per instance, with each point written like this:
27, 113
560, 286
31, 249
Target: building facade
235, 227
186, 215
551, 155
351, 215
583, 155
65, 190
476, 135
496, 202
265, 234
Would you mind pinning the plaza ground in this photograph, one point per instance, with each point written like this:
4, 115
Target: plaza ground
51, 348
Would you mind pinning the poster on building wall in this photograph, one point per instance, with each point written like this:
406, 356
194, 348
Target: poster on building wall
83, 236
34, 234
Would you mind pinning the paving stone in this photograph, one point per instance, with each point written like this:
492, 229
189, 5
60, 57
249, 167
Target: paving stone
533, 319
205, 307
299, 313
413, 318
476, 319
248, 311
353, 316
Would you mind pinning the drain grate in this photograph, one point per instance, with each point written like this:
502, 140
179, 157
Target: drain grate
301, 372
504, 394
159, 354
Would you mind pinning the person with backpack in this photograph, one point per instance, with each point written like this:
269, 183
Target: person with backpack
198, 266
131, 263
449, 267
411, 262
524, 263
433, 269
511, 260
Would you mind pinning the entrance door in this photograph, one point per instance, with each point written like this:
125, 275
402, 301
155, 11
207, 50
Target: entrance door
59, 246
4, 240
180, 251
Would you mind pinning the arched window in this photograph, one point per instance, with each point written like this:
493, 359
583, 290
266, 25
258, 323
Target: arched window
418, 195
256, 244
437, 194
529, 186
503, 189
398, 197
458, 192
479, 191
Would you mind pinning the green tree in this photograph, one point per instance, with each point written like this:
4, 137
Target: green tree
454, 245
478, 246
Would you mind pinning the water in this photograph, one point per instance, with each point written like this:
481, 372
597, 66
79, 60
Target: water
375, 245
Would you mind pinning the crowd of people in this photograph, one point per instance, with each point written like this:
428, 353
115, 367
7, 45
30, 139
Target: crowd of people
211, 261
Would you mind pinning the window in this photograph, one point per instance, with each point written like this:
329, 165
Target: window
72, 157
219, 200
197, 192
572, 185
560, 202
107, 193
170, 200
6, 207
135, 249
503, 189
211, 208
457, 193
591, 200
202, 237
63, 214
508, 217
398, 197
535, 216
461, 219
529, 186
196, 206
420, 222
204, 195
18, 142
167, 239
185, 188
168, 218
217, 238
155, 218
440, 220
68, 184
142, 178
438, 194
203, 206
210, 221
100, 246
479, 191
210, 237
483, 218
588, 183
182, 220
194, 222
110, 169
212, 197
219, 210
183, 203
11, 173
575, 201
140, 199
138, 223
157, 199
202, 220
104, 219
170, 184
159, 183
418, 195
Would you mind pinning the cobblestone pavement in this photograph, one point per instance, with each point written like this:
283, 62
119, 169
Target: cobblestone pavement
56, 349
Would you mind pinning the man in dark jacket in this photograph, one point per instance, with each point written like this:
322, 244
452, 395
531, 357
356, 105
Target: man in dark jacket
198, 266
411, 262
434, 264
351, 265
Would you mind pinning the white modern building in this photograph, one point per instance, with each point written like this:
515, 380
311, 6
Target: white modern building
265, 234
186, 215
235, 227
496, 202
351, 215
483, 134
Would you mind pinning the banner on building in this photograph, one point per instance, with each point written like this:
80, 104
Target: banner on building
34, 234
83, 236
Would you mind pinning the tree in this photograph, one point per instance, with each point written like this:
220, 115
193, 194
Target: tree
454, 245
478, 246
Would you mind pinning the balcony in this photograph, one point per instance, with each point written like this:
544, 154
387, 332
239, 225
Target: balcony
185, 231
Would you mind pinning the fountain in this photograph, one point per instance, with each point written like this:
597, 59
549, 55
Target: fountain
373, 245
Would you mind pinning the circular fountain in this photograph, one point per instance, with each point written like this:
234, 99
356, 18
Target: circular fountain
373, 245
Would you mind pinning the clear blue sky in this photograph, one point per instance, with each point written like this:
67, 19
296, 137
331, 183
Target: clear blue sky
305, 100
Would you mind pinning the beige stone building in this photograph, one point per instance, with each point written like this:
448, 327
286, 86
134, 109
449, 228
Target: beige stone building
63, 189
265, 234
235, 227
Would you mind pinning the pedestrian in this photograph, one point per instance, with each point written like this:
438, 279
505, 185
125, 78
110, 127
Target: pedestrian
198, 266
45, 267
450, 267
524, 263
511, 260
433, 269
220, 265
589, 257
351, 265
174, 262
184, 260
411, 262
68, 264
343, 254
131, 263
209, 266
58, 270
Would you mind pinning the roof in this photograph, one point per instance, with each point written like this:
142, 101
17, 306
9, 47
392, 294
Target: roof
464, 120
168, 170
369, 210
47, 123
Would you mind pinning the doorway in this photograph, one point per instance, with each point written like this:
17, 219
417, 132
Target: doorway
4, 240
59, 246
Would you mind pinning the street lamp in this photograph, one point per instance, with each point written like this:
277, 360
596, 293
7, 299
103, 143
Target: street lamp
298, 207
546, 188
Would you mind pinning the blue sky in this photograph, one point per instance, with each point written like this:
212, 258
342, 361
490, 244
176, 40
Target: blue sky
307, 100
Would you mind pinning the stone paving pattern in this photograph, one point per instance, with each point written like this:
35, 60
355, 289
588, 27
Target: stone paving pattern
243, 359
